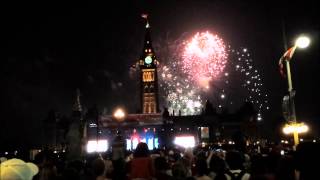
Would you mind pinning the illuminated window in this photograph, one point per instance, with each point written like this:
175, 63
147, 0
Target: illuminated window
148, 76
149, 105
146, 50
144, 107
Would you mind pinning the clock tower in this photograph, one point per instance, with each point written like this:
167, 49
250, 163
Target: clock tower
148, 75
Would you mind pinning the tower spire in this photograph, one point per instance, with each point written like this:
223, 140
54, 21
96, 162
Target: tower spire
147, 49
77, 105
145, 16
148, 74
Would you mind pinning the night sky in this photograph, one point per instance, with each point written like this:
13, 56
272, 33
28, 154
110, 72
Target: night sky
52, 49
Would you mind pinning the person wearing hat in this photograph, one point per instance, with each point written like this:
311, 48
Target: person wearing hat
17, 169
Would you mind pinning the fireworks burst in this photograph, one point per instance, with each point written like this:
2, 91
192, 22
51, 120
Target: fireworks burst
204, 58
177, 91
241, 83
228, 75
180, 94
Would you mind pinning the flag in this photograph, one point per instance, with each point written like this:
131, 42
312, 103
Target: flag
286, 57
289, 53
281, 69
145, 16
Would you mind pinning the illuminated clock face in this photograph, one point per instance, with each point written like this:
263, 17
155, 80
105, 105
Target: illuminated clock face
148, 60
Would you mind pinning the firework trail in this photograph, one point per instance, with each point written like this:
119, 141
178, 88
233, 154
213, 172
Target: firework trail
243, 83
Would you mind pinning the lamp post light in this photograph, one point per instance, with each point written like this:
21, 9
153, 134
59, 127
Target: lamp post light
119, 114
295, 129
118, 145
302, 42
293, 126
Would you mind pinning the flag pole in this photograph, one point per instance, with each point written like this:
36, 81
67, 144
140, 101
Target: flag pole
289, 76
292, 116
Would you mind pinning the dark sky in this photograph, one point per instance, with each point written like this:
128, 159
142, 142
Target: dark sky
52, 49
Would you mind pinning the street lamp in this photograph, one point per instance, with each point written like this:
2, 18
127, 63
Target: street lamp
119, 114
302, 42
298, 127
118, 144
295, 129
293, 126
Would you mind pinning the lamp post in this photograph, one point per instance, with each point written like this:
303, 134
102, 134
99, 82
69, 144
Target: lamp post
293, 126
118, 142
119, 114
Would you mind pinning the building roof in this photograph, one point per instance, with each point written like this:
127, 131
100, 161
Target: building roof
131, 120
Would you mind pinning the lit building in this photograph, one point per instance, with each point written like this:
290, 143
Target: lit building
148, 76
150, 126
141, 127
159, 129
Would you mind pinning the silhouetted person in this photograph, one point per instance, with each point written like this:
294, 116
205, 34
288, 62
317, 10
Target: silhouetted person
217, 168
161, 166
179, 172
235, 162
48, 172
202, 169
141, 165
285, 168
98, 168
17, 169
165, 113
307, 157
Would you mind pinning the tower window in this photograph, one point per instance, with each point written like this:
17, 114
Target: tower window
148, 76
149, 103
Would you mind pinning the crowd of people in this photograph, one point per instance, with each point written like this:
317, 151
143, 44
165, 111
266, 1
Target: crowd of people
170, 164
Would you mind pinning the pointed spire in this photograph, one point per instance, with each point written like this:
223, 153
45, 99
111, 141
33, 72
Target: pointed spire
147, 49
77, 105
145, 16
